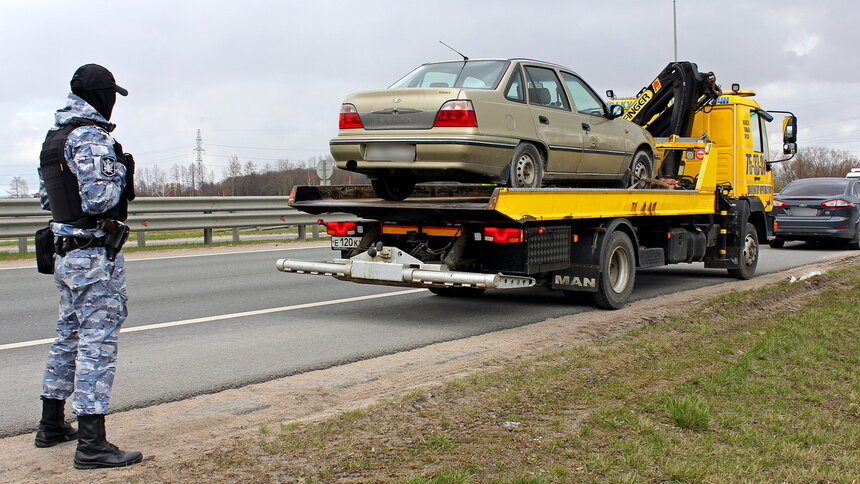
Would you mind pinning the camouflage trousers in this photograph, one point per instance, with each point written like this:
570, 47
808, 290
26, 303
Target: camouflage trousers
82, 359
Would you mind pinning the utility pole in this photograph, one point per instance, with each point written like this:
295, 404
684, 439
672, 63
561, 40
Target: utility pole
199, 168
675, 22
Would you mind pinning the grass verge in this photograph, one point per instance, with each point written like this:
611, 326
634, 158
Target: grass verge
760, 386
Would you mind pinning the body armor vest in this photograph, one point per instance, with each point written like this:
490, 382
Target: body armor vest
62, 186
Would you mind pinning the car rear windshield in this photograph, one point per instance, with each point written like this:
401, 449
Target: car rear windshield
470, 75
815, 188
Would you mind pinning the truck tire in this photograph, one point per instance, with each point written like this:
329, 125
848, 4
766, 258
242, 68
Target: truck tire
641, 166
748, 254
617, 272
526, 168
457, 291
394, 188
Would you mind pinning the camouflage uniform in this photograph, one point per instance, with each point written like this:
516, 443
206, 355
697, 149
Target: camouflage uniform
93, 296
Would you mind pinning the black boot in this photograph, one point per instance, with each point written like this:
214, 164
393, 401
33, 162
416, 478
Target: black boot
53, 428
94, 451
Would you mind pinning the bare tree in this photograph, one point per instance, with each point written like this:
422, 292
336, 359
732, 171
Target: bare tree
814, 161
18, 188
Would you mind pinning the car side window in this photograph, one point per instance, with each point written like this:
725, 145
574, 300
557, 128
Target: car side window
514, 91
585, 100
544, 88
756, 134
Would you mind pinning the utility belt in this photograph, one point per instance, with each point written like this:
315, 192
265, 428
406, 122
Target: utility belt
47, 245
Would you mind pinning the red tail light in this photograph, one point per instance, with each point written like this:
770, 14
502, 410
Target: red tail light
341, 228
458, 114
349, 118
501, 235
779, 204
836, 203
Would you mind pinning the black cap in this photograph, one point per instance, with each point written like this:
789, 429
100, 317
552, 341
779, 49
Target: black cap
91, 77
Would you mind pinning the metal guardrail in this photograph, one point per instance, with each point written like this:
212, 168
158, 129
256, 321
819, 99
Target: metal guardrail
22, 217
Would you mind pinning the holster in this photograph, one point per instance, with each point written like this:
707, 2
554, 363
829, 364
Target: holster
115, 239
45, 251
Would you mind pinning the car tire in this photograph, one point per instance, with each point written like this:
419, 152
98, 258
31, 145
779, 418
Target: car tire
641, 166
526, 168
394, 188
748, 255
777, 243
457, 291
854, 244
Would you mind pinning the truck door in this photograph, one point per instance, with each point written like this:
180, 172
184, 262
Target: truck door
605, 150
555, 123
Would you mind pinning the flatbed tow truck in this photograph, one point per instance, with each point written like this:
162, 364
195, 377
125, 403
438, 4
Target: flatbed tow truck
459, 240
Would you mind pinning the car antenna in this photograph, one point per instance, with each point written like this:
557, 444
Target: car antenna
455, 50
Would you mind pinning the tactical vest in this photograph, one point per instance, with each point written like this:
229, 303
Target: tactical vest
61, 184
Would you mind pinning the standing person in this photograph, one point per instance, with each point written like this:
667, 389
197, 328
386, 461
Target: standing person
86, 183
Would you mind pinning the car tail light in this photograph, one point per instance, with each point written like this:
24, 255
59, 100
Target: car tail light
341, 228
502, 235
349, 118
836, 203
779, 204
459, 114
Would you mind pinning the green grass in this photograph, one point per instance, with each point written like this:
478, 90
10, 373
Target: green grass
745, 388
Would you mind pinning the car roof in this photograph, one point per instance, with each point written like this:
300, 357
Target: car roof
509, 59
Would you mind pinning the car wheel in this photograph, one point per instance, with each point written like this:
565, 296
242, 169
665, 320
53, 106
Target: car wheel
526, 168
777, 243
748, 254
854, 244
393, 188
640, 168
457, 291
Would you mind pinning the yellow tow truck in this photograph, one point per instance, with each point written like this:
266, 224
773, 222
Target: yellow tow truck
709, 205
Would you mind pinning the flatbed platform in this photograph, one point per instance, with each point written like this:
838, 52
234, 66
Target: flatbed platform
487, 203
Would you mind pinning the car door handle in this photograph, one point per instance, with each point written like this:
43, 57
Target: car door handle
543, 119
586, 126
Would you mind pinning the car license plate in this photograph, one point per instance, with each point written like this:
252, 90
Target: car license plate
390, 152
804, 212
345, 242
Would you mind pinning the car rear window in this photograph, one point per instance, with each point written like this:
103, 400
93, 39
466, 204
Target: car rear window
815, 188
469, 75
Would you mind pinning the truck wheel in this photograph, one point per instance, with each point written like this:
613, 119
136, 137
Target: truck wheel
748, 255
526, 168
641, 167
395, 188
777, 243
617, 273
457, 291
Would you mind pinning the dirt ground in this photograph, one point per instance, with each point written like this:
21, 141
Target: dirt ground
169, 433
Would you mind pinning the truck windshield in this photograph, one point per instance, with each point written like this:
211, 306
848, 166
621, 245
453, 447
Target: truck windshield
815, 188
472, 75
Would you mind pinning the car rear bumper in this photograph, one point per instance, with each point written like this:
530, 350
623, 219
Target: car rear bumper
812, 228
466, 158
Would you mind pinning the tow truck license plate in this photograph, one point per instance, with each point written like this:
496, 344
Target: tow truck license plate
345, 242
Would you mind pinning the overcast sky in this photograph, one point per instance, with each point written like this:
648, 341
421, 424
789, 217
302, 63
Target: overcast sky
264, 79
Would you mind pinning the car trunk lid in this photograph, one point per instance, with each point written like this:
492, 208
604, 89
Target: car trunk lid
408, 108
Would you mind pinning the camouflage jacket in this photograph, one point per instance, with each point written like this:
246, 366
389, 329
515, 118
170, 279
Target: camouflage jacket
89, 153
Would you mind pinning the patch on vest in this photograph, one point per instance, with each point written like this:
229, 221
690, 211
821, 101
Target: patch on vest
108, 166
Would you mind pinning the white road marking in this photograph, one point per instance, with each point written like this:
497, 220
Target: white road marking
221, 317
192, 255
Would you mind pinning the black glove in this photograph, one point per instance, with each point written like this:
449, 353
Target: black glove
128, 161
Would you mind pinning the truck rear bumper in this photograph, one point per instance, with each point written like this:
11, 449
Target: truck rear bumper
390, 266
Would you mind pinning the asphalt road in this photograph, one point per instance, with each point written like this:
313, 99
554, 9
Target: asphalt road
223, 321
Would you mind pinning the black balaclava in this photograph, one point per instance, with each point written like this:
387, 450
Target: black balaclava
101, 99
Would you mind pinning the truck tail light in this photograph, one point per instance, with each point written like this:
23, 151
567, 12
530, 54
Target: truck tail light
779, 204
502, 235
349, 118
458, 114
341, 228
836, 203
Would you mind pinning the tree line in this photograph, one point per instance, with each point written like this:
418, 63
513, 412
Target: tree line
237, 179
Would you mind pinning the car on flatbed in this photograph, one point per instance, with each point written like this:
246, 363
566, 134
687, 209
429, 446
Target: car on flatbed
516, 122
818, 209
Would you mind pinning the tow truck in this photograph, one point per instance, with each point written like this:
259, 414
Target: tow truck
709, 205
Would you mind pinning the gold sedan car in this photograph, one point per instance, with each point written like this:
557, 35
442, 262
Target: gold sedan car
517, 122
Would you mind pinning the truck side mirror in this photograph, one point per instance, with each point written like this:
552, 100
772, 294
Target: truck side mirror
789, 129
610, 94
615, 111
789, 148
